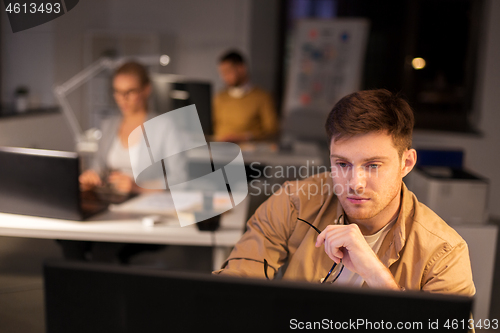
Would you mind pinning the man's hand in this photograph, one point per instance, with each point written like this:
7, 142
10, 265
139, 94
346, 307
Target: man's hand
346, 243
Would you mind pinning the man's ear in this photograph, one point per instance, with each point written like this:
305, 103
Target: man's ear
409, 159
242, 70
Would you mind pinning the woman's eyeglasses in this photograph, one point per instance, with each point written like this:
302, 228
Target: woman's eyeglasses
266, 264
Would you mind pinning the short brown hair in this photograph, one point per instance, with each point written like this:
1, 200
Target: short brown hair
136, 69
372, 111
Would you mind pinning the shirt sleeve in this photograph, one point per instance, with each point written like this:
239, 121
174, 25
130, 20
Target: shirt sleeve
450, 272
266, 237
268, 116
215, 114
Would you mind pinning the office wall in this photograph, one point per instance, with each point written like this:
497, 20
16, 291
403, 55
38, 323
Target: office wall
24, 54
68, 47
28, 60
482, 152
48, 55
264, 44
202, 29
49, 131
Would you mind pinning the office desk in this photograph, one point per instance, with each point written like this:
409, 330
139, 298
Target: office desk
128, 228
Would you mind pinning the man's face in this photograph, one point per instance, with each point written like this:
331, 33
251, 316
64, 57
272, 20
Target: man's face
367, 172
233, 75
129, 94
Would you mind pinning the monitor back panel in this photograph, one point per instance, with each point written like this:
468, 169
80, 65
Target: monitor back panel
171, 92
90, 298
39, 183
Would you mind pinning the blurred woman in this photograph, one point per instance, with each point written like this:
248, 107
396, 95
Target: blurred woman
112, 163
131, 90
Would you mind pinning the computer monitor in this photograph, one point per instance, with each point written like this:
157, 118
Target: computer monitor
84, 297
171, 92
44, 183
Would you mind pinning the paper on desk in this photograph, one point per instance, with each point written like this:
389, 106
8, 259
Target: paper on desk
162, 203
159, 203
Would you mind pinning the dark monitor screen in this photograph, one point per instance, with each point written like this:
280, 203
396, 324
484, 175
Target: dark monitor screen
83, 297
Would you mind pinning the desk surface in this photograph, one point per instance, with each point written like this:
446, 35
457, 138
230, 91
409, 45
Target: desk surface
126, 227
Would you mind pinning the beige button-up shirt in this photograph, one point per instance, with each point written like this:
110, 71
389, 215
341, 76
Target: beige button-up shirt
421, 250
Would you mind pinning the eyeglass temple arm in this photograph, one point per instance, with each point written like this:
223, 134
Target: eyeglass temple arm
266, 264
265, 268
317, 230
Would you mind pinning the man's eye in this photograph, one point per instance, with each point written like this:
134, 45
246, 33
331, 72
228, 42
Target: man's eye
373, 166
341, 164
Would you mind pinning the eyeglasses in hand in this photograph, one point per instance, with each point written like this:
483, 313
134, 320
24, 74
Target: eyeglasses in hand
266, 264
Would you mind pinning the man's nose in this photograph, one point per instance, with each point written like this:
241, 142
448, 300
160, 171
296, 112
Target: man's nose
357, 182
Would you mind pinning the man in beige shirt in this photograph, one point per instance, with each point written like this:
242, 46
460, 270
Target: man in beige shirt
241, 112
357, 224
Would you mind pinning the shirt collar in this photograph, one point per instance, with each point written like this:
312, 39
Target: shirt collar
240, 91
396, 237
